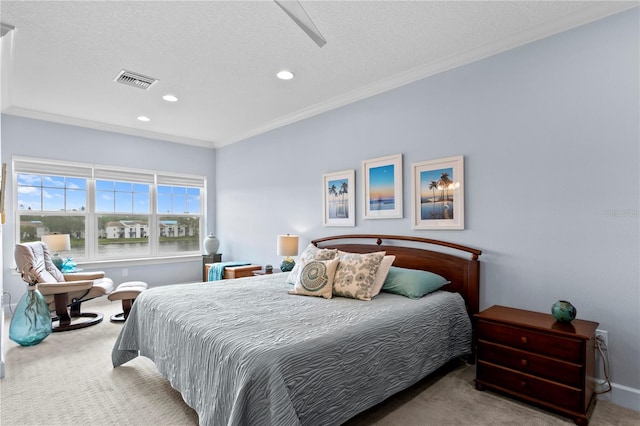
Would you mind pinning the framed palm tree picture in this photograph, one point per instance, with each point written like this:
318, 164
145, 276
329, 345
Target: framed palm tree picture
383, 187
338, 198
438, 193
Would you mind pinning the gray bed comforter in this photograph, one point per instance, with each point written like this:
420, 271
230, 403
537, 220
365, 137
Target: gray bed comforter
244, 352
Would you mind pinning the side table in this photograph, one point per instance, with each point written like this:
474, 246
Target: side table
531, 356
209, 258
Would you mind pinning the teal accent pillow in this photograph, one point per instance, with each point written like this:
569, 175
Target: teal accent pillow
412, 283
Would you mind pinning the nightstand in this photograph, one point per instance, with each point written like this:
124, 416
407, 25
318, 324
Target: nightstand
531, 356
233, 272
263, 272
209, 258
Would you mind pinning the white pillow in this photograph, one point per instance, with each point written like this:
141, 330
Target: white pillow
309, 253
381, 275
316, 278
356, 273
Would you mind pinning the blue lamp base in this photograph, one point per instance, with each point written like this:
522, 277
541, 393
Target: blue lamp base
57, 261
287, 264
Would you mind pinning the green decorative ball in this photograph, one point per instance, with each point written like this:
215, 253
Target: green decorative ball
563, 311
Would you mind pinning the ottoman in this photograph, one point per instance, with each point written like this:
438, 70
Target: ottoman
127, 292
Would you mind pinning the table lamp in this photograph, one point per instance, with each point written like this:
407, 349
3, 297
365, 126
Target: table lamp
56, 243
287, 246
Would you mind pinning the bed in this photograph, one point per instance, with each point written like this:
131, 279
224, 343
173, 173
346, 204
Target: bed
245, 352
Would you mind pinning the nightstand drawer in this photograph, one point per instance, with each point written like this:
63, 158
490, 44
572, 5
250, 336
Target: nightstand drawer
541, 343
549, 368
533, 387
231, 272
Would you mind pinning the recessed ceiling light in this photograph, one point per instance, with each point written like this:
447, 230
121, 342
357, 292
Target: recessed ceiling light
170, 98
285, 75
144, 118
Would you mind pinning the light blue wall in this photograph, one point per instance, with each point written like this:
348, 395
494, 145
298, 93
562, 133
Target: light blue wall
35, 138
550, 135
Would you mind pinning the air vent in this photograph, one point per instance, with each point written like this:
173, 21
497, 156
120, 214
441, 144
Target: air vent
134, 79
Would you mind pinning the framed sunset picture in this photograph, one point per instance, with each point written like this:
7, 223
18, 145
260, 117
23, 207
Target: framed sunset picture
438, 194
383, 187
338, 198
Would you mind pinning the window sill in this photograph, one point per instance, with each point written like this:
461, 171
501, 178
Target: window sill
97, 264
138, 261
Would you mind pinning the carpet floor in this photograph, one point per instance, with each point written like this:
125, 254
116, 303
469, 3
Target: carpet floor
68, 379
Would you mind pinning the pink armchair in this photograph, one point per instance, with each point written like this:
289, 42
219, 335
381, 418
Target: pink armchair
63, 292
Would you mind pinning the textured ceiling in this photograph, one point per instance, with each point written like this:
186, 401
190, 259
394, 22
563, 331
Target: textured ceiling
220, 57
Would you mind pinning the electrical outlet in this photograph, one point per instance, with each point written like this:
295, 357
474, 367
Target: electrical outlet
125, 272
605, 338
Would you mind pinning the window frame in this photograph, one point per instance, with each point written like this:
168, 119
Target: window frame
93, 172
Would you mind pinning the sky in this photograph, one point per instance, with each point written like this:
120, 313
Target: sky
427, 176
56, 193
381, 182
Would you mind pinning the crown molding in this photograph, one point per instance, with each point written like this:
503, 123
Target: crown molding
96, 125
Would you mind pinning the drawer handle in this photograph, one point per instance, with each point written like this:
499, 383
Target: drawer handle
523, 339
523, 383
524, 362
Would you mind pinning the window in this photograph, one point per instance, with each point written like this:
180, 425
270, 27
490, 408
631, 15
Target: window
178, 225
125, 197
109, 213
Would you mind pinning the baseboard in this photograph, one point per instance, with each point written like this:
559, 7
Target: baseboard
623, 396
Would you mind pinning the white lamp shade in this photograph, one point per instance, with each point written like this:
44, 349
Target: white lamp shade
57, 242
287, 245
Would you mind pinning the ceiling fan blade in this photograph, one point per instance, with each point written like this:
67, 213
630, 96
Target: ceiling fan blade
296, 12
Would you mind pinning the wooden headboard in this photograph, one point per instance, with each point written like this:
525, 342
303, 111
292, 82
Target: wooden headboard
463, 272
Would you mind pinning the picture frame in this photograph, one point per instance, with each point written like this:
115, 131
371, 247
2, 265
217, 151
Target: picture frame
338, 198
438, 193
382, 187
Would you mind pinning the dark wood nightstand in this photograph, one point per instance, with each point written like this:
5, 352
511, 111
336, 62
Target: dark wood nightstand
531, 356
263, 272
209, 258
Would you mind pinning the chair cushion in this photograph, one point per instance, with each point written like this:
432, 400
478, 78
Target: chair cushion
136, 284
103, 285
58, 288
34, 263
128, 290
